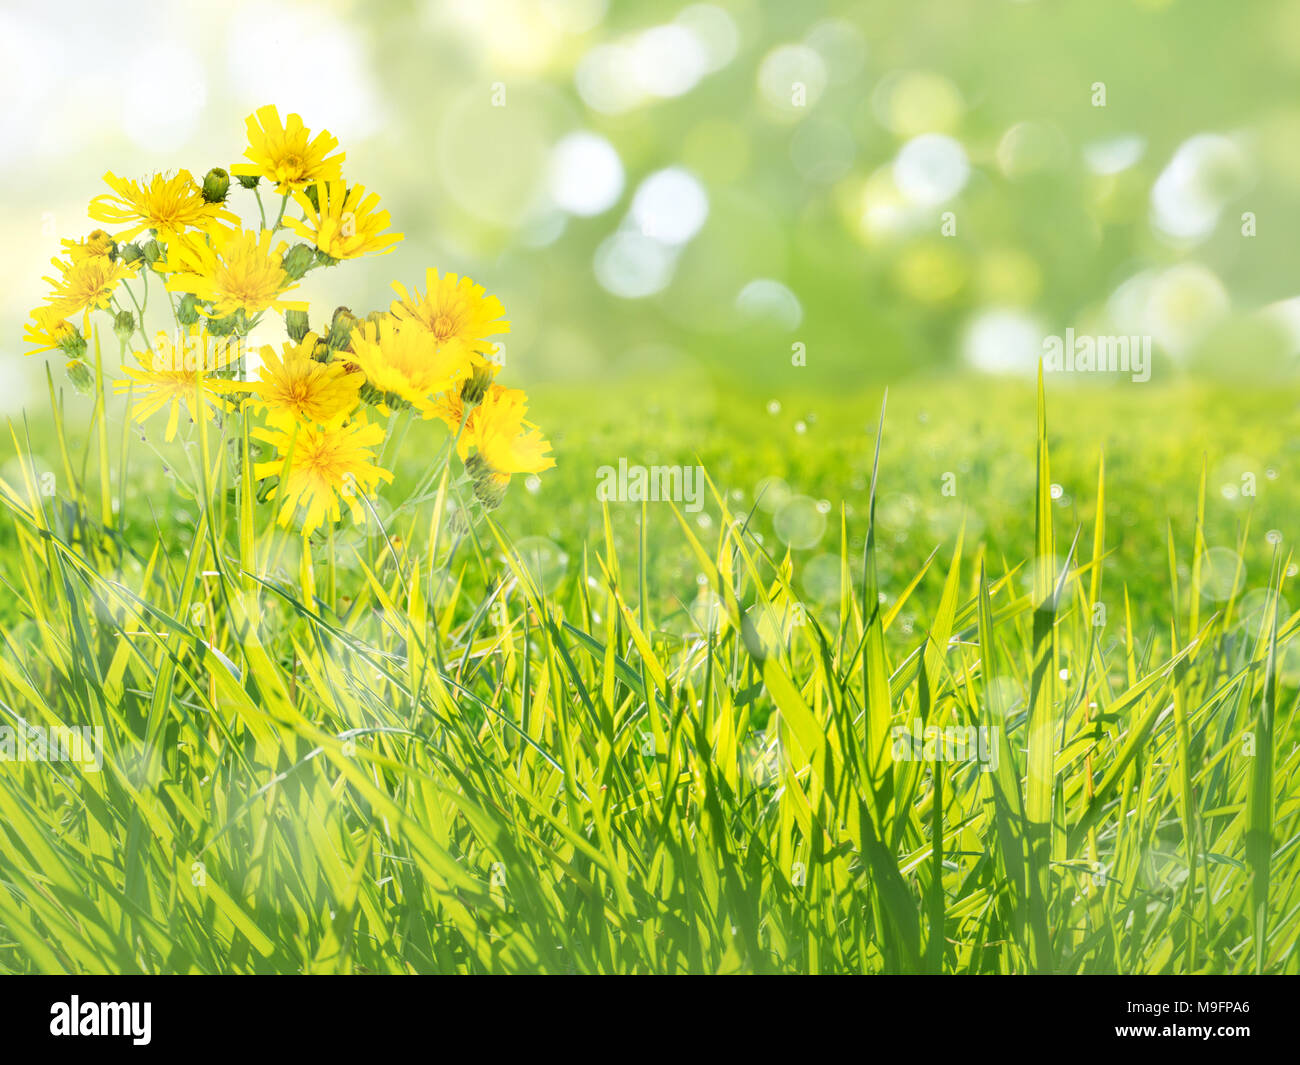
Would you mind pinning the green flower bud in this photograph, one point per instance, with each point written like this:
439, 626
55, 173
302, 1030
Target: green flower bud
81, 377
475, 387
187, 311
298, 260
71, 342
487, 489
458, 523
341, 327
295, 322
124, 325
216, 183
249, 181
130, 253
490, 493
152, 252
223, 327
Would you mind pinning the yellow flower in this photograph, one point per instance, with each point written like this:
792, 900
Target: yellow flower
457, 312
406, 362
177, 373
294, 387
347, 225
96, 245
504, 439
47, 330
324, 464
86, 285
235, 270
286, 154
169, 205
449, 408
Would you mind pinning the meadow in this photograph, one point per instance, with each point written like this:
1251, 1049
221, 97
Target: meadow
575, 737
325, 646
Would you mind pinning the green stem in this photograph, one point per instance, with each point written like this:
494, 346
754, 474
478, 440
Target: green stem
105, 484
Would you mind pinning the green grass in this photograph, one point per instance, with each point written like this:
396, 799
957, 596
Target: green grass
415, 750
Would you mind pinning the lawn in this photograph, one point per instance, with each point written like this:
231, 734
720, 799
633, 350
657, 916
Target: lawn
686, 512
569, 736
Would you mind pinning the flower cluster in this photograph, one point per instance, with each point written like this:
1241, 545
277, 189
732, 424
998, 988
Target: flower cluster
325, 401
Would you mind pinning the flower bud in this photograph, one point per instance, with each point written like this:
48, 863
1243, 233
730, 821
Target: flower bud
341, 326
152, 252
457, 523
124, 325
187, 311
489, 488
298, 260
490, 492
216, 183
223, 327
71, 342
249, 181
80, 376
130, 253
100, 243
295, 322
475, 386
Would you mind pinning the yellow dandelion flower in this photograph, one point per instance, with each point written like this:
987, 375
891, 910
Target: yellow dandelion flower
325, 463
47, 330
235, 270
504, 439
286, 154
406, 362
86, 285
178, 372
458, 313
449, 408
294, 387
347, 224
96, 245
170, 205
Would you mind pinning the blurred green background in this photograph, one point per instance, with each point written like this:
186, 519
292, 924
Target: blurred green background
720, 230
641, 186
